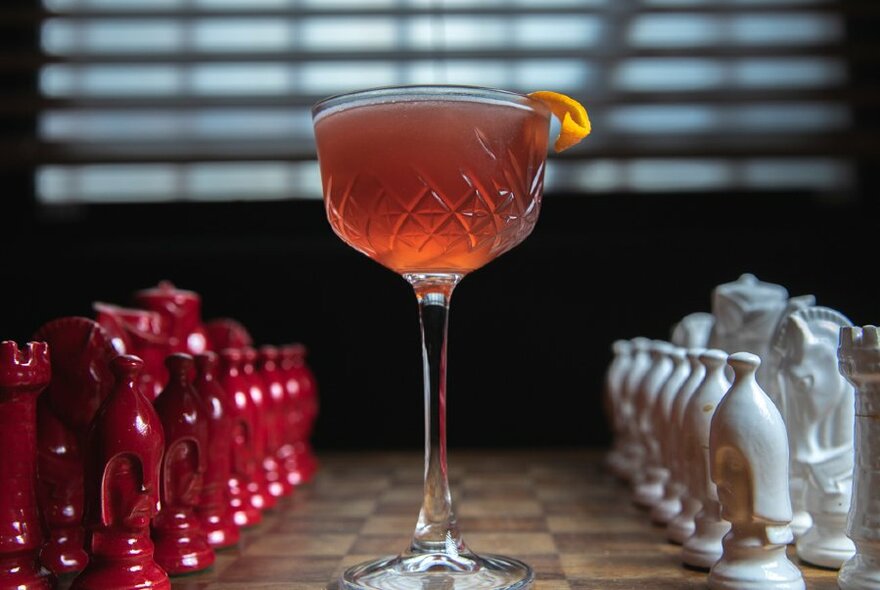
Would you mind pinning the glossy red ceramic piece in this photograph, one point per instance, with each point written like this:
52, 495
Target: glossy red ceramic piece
243, 463
80, 354
182, 312
123, 456
301, 388
227, 333
213, 509
266, 471
269, 371
23, 375
142, 333
181, 544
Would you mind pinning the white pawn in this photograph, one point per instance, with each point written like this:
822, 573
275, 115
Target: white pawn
681, 527
641, 362
649, 491
820, 413
859, 355
748, 448
660, 460
703, 548
614, 379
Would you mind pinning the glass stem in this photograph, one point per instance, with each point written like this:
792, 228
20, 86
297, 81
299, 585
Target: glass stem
436, 530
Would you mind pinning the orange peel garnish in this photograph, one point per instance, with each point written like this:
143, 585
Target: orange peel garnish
572, 115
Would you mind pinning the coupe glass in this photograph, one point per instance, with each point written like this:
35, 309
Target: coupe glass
433, 182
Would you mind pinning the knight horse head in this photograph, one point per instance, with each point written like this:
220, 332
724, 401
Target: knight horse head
817, 398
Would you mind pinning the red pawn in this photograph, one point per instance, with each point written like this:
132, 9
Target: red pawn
181, 545
266, 471
124, 453
276, 403
23, 375
302, 393
243, 464
213, 510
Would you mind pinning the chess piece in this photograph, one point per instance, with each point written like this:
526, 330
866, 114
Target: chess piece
659, 463
693, 330
214, 510
182, 313
748, 449
859, 357
770, 380
649, 491
23, 375
820, 409
703, 548
746, 312
227, 333
243, 464
181, 543
141, 333
80, 355
681, 526
302, 411
124, 452
259, 485
641, 362
276, 402
614, 377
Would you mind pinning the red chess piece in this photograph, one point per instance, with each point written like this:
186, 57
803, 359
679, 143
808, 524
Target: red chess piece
267, 471
124, 453
23, 375
243, 464
181, 544
301, 387
276, 404
81, 379
142, 333
182, 311
227, 333
214, 510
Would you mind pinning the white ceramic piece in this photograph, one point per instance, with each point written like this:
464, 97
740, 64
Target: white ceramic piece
859, 356
770, 380
748, 449
693, 330
703, 548
648, 491
641, 362
820, 415
682, 525
614, 379
659, 460
746, 312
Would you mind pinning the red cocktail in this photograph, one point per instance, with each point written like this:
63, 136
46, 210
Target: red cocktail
433, 182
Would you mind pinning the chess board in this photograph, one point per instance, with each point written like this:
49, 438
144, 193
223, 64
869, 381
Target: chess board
559, 511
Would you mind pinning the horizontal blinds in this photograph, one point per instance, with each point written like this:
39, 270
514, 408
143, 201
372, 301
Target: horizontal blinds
209, 99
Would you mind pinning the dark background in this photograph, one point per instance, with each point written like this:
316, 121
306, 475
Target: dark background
529, 333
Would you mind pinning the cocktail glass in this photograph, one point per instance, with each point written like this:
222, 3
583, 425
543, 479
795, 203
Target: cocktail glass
433, 182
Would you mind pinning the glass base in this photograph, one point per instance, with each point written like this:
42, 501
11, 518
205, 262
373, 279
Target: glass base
439, 571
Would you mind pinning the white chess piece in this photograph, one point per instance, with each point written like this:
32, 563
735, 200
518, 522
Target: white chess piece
770, 380
703, 548
649, 491
693, 330
748, 447
641, 362
859, 356
820, 409
681, 527
660, 459
746, 312
614, 379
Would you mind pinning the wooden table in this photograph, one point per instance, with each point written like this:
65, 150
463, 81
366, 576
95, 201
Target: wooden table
557, 510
